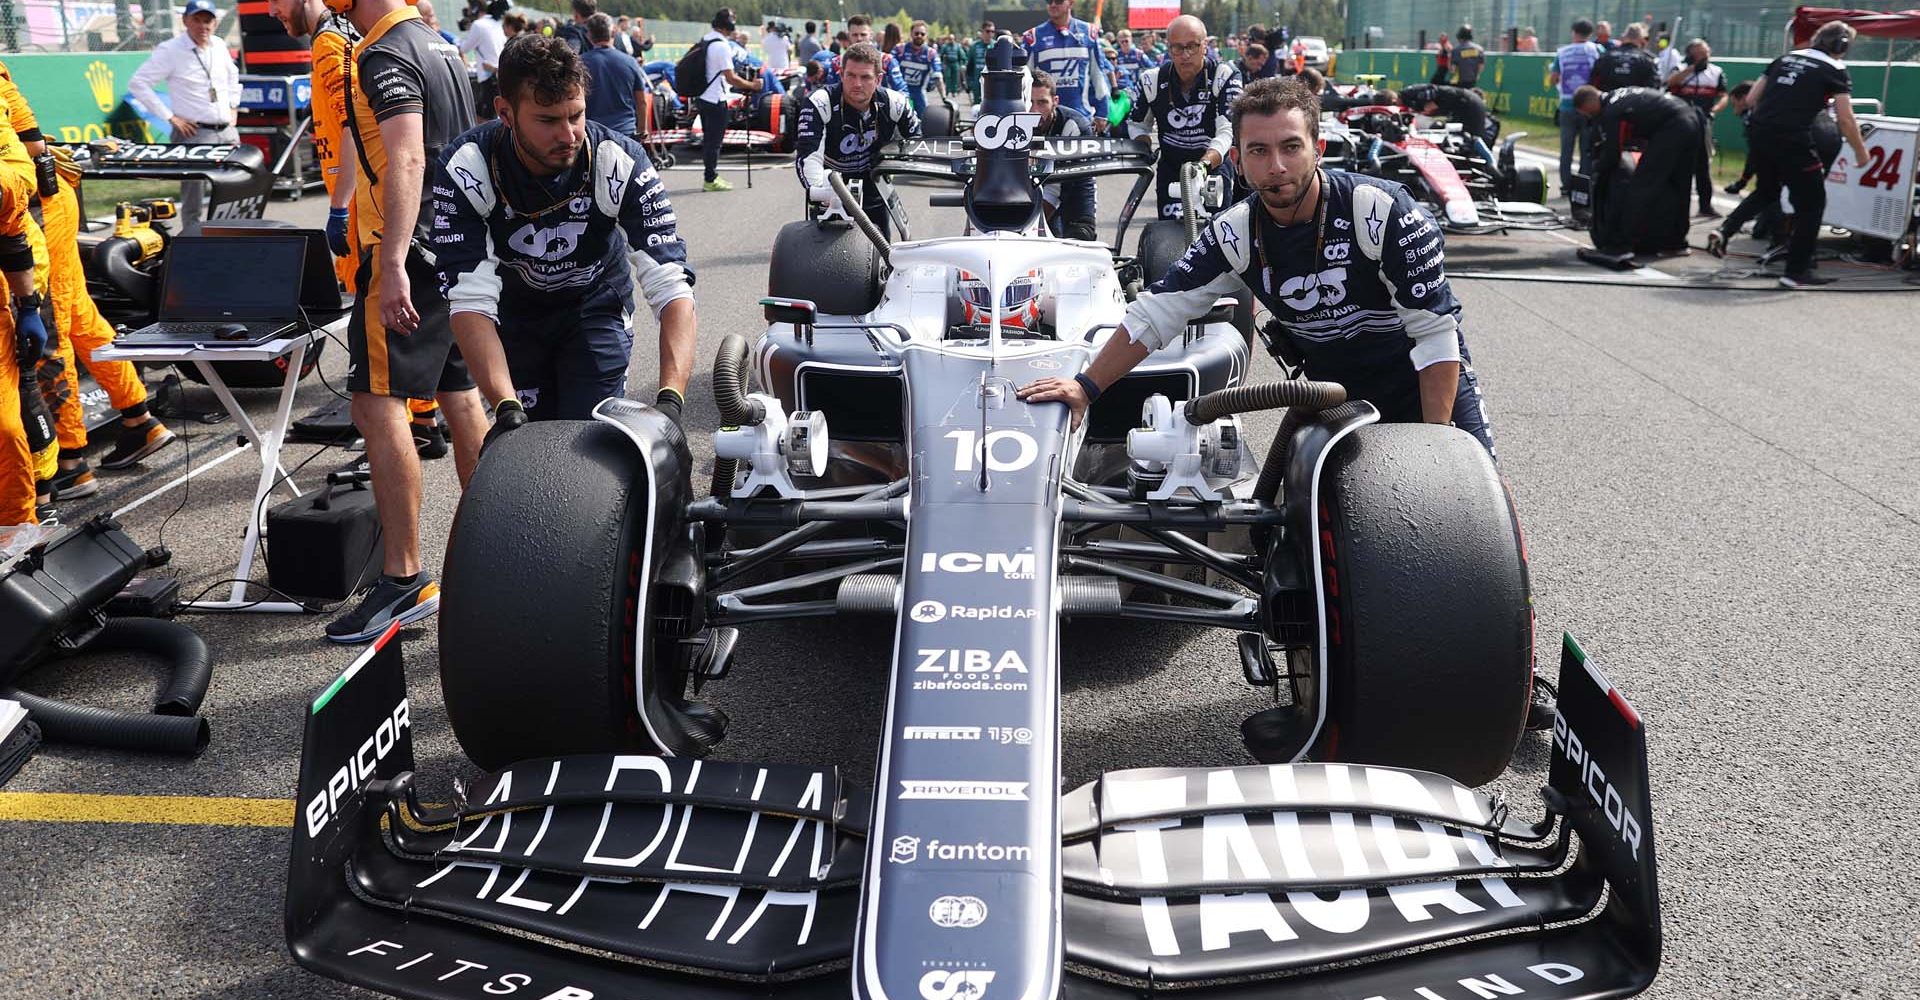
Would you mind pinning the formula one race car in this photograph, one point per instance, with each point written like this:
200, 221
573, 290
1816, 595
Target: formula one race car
605, 857
1469, 188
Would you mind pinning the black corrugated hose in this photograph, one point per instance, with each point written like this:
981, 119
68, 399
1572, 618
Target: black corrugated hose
173, 728
1273, 472
736, 410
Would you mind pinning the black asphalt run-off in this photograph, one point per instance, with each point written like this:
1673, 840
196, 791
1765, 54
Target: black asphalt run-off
1721, 495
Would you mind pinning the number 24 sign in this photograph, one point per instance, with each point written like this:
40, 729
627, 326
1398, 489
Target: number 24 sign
1883, 167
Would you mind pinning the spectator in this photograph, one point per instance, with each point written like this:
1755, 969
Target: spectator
617, 89
513, 24
809, 43
1468, 57
775, 49
425, 7
482, 43
1573, 69
1442, 60
203, 92
575, 34
1529, 41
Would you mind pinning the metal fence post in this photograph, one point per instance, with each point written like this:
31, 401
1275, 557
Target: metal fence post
9, 26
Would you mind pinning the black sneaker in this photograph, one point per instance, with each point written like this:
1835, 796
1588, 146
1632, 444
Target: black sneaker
74, 483
1717, 243
131, 444
1805, 279
1543, 705
46, 513
430, 441
387, 603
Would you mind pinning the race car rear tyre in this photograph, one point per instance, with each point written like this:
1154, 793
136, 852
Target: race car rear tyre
537, 622
835, 267
1429, 611
937, 122
1164, 242
1530, 185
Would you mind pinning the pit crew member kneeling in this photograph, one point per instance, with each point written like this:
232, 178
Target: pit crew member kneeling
843, 126
1651, 215
1350, 267
544, 223
1070, 204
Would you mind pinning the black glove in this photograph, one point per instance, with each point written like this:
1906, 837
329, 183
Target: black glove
508, 415
669, 401
46, 170
1737, 186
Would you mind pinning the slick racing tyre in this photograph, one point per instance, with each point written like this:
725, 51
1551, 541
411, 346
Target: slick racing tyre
834, 266
1530, 185
1164, 242
938, 121
1429, 611
538, 620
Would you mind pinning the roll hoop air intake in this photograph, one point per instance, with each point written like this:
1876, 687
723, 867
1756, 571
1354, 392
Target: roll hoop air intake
173, 728
1304, 401
736, 408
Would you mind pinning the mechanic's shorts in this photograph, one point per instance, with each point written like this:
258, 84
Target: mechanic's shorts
387, 362
564, 362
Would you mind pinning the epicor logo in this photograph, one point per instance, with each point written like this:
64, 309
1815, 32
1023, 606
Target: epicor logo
358, 770
962, 984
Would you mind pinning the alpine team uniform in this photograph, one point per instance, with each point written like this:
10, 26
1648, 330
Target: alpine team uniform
1070, 54
832, 136
1360, 294
1072, 201
1190, 122
554, 261
918, 68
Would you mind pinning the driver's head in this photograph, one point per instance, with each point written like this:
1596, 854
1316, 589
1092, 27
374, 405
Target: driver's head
1276, 140
918, 33
859, 74
1586, 100
543, 99
299, 17
860, 28
1042, 96
1187, 43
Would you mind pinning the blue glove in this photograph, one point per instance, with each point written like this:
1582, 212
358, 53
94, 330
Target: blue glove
32, 333
337, 219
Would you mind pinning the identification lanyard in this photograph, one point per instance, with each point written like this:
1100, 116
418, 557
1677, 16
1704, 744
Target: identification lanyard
1319, 238
213, 93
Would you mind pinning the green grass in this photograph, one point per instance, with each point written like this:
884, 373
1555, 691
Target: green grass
99, 197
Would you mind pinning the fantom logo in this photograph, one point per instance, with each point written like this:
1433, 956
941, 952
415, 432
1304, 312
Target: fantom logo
100, 85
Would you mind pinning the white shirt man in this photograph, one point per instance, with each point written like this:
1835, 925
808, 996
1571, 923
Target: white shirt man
776, 48
203, 91
483, 41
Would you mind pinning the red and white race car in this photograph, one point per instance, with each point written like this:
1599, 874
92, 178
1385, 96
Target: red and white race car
1469, 189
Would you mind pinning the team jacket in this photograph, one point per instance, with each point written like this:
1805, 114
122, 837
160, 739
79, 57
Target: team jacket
1632, 116
1070, 55
1130, 64
1073, 199
917, 67
1369, 313
832, 136
510, 243
1191, 122
1626, 66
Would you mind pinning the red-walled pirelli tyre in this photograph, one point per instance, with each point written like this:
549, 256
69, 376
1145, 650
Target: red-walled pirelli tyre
1430, 615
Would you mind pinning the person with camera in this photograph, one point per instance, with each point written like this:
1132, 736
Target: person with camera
546, 224
1702, 84
1787, 100
843, 126
710, 97
1189, 101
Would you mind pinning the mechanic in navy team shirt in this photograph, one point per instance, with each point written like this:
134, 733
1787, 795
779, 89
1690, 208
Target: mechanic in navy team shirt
1350, 267
1189, 100
1070, 205
545, 223
843, 126
919, 64
618, 90
1065, 47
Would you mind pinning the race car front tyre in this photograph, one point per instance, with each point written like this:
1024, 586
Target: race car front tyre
1530, 185
1429, 610
1162, 244
833, 266
938, 121
546, 604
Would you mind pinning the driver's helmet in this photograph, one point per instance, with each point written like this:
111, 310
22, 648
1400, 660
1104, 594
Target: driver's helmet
1019, 303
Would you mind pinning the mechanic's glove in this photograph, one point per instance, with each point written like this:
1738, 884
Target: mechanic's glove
46, 170
508, 415
669, 401
337, 220
30, 330
1737, 186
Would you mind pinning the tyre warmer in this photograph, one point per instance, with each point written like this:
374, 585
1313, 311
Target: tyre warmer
615, 876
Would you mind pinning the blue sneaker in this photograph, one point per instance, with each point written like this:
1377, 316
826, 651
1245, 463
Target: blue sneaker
387, 603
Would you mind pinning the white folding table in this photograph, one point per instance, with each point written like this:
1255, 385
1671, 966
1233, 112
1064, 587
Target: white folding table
266, 441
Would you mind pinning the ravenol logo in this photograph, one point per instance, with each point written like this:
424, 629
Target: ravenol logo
100, 84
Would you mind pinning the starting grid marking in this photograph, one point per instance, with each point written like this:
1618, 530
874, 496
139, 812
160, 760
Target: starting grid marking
163, 810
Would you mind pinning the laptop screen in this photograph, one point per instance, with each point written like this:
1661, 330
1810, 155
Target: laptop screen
239, 278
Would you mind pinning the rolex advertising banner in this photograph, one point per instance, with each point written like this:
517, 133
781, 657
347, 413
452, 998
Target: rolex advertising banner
79, 97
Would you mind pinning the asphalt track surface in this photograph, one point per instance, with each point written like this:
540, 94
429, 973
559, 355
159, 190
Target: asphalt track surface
1721, 492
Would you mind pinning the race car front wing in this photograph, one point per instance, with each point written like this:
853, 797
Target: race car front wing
640, 877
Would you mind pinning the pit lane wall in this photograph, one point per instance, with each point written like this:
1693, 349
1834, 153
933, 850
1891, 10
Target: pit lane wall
1518, 84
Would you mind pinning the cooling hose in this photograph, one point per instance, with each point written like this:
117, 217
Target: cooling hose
858, 214
173, 729
1265, 396
736, 410
173, 643
1273, 472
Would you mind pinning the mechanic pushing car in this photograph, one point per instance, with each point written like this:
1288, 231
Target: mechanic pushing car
1189, 100
1064, 46
859, 30
1350, 267
919, 65
1070, 204
843, 126
1458, 104
544, 224
1652, 213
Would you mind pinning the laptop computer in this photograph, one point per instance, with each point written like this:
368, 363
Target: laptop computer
319, 285
226, 291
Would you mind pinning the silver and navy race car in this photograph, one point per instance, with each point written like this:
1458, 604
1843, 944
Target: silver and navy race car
1374, 574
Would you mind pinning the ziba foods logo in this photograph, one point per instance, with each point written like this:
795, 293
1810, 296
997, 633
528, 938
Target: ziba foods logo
100, 84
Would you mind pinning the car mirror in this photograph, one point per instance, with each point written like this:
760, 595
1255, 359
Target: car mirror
799, 312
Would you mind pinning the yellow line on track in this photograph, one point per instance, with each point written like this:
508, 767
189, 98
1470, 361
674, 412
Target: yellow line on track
169, 810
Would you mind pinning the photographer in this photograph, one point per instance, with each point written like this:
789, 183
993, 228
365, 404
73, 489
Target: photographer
1702, 84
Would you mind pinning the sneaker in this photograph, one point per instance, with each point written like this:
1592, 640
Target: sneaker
1680, 250
717, 184
1717, 243
74, 483
1708, 212
1543, 705
46, 513
131, 444
430, 441
387, 603
1805, 279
